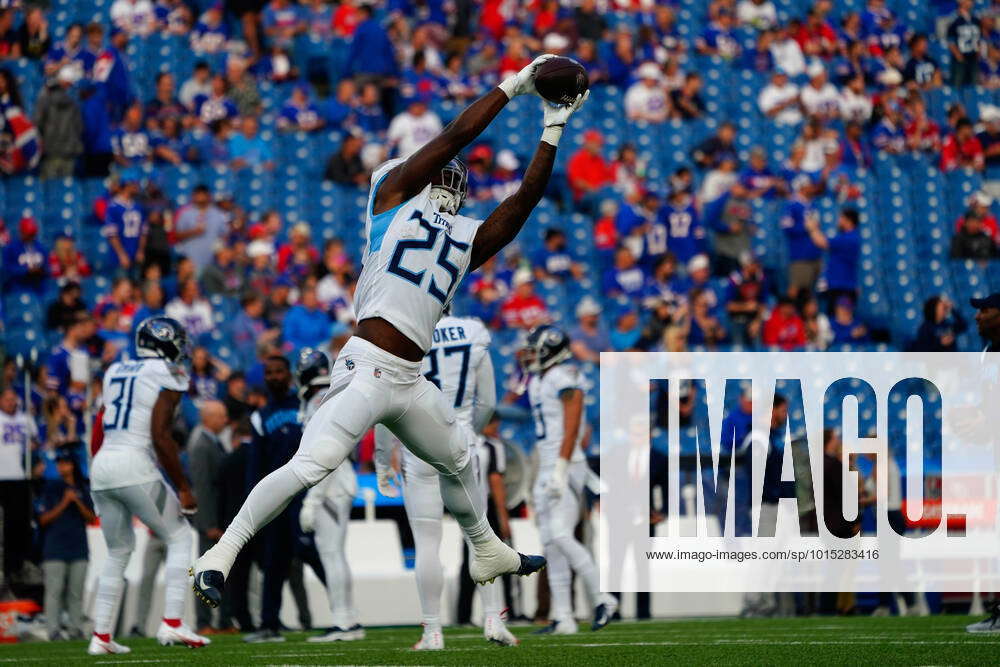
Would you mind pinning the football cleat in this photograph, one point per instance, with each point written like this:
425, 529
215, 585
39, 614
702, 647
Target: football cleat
98, 646
505, 561
432, 640
603, 612
495, 630
987, 625
563, 627
264, 636
336, 634
208, 586
167, 635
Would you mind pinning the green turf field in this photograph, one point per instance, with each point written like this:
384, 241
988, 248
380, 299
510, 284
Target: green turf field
810, 641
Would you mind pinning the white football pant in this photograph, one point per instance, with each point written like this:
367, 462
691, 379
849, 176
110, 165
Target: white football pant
157, 506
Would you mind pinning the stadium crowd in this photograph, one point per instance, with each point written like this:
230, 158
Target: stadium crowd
740, 243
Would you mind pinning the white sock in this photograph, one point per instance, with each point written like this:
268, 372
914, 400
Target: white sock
175, 572
109, 593
464, 499
428, 568
492, 598
266, 501
560, 580
581, 562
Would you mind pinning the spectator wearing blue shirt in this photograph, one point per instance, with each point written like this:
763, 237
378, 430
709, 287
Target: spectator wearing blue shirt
338, 109
63, 510
921, 69
211, 33
125, 227
69, 356
248, 149
111, 71
843, 254
24, 262
622, 60
626, 332
282, 21
889, 135
97, 156
718, 39
590, 337
216, 106
306, 324
684, 231
69, 55
964, 35
845, 326
625, 278
552, 260
372, 53
300, 113
803, 253
369, 114
130, 143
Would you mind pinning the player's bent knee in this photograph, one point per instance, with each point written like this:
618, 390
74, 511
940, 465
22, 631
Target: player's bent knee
310, 467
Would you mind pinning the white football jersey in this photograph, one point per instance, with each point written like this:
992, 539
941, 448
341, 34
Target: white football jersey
415, 257
544, 393
17, 431
131, 389
460, 345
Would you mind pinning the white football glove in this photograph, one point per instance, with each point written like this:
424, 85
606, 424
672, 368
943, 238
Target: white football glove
307, 517
523, 83
388, 481
556, 485
555, 117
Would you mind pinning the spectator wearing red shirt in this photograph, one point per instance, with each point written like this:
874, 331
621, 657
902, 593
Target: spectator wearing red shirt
66, 262
523, 309
979, 205
816, 36
962, 149
587, 170
298, 252
785, 328
346, 18
922, 133
605, 230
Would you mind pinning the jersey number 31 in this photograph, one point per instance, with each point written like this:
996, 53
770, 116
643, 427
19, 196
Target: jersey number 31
122, 403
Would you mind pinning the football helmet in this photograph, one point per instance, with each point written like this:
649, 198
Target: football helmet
312, 368
546, 346
449, 187
162, 338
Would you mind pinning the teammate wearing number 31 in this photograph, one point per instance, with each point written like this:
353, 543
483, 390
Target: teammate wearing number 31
140, 398
418, 250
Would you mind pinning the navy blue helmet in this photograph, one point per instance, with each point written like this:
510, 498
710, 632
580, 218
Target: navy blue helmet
546, 346
162, 338
312, 368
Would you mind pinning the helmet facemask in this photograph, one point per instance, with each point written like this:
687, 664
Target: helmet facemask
449, 187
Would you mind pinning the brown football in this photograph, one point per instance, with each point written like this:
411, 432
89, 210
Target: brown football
559, 80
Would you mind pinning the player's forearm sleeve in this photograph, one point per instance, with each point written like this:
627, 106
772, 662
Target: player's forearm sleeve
486, 395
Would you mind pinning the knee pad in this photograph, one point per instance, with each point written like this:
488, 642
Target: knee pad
308, 469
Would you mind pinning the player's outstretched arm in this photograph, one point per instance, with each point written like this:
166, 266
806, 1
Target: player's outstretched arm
167, 451
413, 175
507, 219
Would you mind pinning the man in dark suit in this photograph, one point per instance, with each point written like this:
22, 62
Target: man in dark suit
205, 455
232, 490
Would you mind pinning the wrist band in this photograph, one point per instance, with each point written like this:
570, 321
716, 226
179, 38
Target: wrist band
508, 86
551, 135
